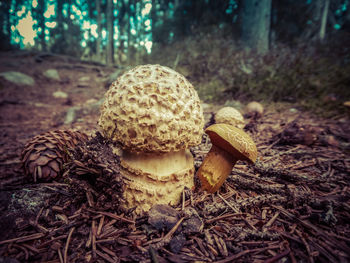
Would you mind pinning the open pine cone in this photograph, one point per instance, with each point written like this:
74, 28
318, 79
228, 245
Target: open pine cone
44, 155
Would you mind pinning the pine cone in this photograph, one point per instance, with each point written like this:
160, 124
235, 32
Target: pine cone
44, 155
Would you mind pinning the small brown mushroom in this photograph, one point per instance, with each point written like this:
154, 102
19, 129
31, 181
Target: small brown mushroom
230, 144
230, 115
254, 108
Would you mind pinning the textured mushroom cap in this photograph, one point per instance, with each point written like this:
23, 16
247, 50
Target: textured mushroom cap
230, 116
233, 140
152, 108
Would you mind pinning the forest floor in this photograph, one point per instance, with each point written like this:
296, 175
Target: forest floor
293, 205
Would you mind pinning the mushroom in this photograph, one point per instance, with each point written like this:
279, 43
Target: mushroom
254, 108
229, 144
155, 114
230, 115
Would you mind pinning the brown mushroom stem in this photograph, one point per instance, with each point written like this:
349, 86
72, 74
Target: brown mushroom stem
215, 168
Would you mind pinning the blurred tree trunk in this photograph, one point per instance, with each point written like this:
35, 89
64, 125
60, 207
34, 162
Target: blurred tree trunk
5, 25
324, 20
256, 16
38, 15
99, 30
153, 18
60, 20
128, 11
69, 32
110, 30
319, 17
121, 20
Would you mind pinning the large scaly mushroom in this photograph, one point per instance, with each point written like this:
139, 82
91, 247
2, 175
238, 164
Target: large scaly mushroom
229, 144
154, 113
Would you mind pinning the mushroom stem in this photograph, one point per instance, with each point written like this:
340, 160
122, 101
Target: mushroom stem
152, 178
215, 168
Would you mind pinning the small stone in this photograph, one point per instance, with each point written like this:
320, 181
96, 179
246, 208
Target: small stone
71, 115
84, 79
17, 78
177, 243
60, 94
163, 217
84, 82
52, 74
193, 223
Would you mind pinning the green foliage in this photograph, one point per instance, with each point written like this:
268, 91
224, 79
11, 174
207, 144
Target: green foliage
314, 77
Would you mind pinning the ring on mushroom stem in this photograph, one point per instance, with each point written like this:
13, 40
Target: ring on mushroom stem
230, 144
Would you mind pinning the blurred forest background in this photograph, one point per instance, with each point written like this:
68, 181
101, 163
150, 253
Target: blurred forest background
296, 51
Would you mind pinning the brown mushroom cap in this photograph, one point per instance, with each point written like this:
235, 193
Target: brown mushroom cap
230, 115
233, 140
254, 107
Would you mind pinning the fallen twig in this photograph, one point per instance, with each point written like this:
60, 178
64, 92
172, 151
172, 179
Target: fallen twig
65, 255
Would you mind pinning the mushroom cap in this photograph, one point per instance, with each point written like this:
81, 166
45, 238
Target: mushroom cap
233, 140
230, 115
255, 107
152, 108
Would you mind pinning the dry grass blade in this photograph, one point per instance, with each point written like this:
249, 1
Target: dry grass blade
105, 256
111, 215
233, 208
166, 239
278, 256
65, 255
23, 239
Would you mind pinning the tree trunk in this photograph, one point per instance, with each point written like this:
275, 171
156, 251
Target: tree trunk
41, 22
121, 21
129, 14
110, 30
5, 25
153, 19
256, 15
324, 20
60, 20
99, 30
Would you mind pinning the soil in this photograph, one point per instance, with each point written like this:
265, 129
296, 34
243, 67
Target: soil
294, 203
